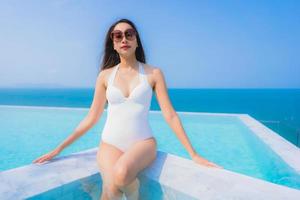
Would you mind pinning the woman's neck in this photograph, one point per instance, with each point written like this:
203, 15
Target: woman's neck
127, 63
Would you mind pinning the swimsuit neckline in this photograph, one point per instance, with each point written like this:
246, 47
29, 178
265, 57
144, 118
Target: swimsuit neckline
137, 86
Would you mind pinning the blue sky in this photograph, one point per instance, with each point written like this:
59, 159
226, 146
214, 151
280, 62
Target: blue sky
197, 44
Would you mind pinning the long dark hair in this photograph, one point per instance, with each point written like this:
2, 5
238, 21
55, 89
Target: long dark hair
111, 56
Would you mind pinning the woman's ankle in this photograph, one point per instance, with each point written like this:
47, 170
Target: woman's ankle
132, 188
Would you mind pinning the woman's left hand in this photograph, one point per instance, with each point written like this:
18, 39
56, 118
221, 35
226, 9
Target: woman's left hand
200, 160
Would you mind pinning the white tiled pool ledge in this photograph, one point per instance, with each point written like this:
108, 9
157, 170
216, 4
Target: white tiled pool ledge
285, 149
169, 170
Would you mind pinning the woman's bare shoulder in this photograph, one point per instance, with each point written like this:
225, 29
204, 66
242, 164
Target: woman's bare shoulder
105, 73
153, 72
151, 69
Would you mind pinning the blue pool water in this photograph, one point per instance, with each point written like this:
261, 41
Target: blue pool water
91, 188
278, 109
28, 132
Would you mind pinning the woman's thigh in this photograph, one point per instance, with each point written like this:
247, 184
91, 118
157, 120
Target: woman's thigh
138, 156
107, 156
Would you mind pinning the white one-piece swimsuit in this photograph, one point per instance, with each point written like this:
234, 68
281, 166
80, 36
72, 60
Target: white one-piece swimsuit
127, 117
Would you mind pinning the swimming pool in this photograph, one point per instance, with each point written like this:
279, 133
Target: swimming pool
221, 138
91, 188
171, 177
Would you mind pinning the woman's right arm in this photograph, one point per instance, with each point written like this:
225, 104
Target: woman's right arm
95, 112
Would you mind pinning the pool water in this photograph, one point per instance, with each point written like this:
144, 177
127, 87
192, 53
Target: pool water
91, 188
28, 132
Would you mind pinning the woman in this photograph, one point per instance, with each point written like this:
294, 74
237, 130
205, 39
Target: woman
127, 145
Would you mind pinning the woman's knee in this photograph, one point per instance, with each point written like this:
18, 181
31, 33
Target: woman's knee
121, 175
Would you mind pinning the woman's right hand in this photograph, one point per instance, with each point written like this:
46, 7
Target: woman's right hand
202, 161
47, 156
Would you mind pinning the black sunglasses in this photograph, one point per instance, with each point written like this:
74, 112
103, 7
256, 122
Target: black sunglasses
118, 35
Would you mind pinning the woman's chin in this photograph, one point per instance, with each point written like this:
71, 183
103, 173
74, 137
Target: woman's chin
126, 54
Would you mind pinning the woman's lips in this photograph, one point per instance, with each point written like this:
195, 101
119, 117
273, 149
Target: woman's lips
125, 47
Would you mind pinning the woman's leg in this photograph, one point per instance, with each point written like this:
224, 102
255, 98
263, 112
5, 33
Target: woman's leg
136, 158
107, 156
131, 191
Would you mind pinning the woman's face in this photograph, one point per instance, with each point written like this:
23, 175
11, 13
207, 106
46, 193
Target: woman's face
119, 45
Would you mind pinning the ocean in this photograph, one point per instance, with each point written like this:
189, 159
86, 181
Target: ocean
278, 109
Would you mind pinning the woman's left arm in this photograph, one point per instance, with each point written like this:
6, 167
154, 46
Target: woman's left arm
172, 118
